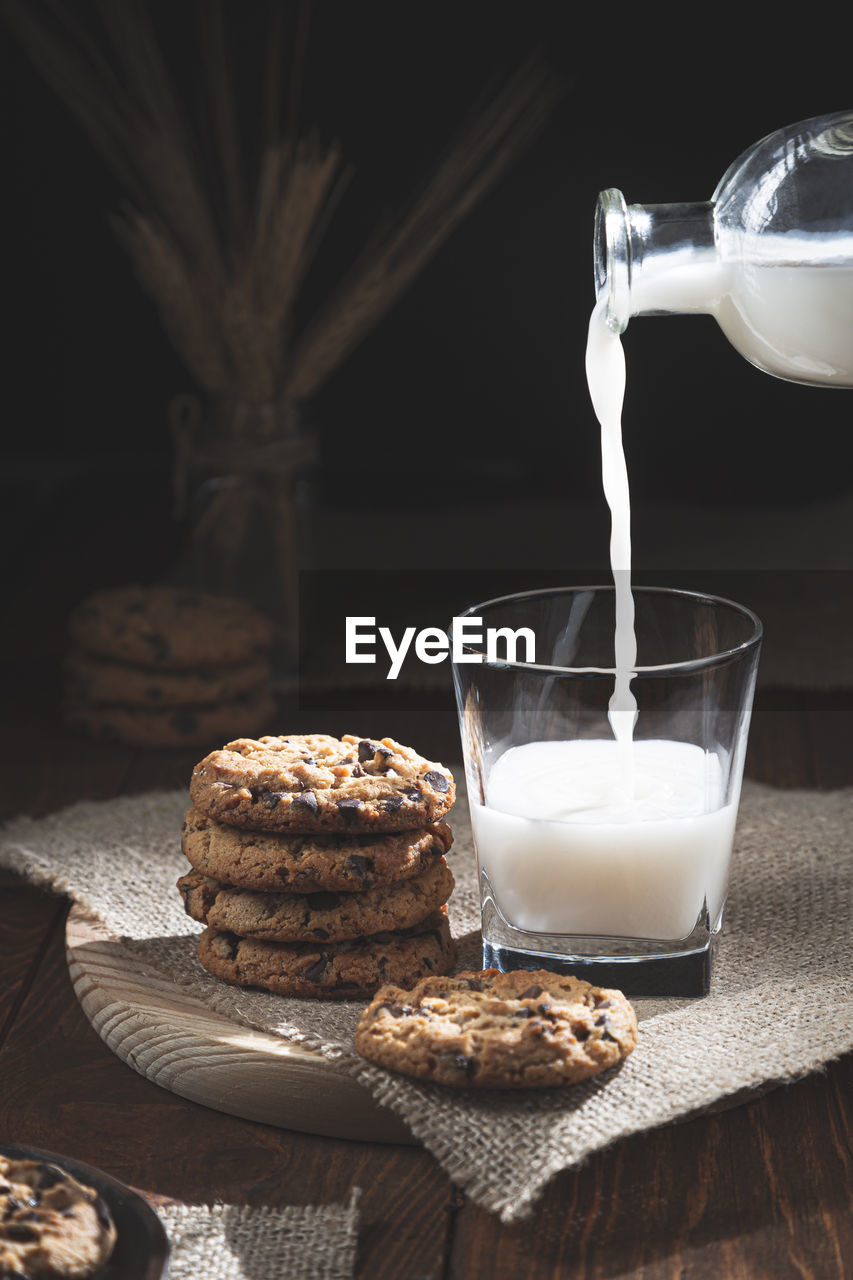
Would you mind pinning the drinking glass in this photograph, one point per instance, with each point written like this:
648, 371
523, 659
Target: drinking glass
603, 859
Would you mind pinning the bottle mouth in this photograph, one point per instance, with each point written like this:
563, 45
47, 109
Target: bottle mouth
612, 257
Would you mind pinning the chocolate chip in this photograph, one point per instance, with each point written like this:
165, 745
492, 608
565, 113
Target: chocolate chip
184, 722
350, 808
531, 993
308, 799
230, 942
308, 760
525, 1012
20, 1233
317, 971
599, 1002
358, 772
392, 804
395, 1010
580, 1031
604, 1022
437, 781
158, 644
366, 750
459, 1061
50, 1175
323, 901
361, 868
473, 984
272, 799
412, 793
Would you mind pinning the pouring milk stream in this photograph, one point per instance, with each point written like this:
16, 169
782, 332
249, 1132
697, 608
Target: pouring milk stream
625, 838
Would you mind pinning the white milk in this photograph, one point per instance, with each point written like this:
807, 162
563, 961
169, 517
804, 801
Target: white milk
611, 838
605, 371
624, 838
594, 863
784, 302
794, 321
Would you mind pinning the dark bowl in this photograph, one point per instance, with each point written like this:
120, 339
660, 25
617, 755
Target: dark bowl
142, 1247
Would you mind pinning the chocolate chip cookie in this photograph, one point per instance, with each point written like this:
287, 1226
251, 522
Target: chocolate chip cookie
272, 863
317, 783
495, 1030
172, 726
312, 917
100, 681
170, 628
337, 971
50, 1224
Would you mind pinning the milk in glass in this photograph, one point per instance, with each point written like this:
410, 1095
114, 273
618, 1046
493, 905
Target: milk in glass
614, 837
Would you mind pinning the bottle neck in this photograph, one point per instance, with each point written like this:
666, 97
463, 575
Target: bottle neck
655, 258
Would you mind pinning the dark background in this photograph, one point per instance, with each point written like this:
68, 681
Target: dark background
472, 391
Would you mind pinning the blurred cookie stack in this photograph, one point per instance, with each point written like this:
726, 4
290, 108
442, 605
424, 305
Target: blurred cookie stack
164, 666
318, 864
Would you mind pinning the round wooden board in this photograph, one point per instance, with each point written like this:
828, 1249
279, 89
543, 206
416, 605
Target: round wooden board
181, 1045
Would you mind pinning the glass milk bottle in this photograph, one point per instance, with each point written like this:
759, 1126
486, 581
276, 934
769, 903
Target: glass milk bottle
770, 255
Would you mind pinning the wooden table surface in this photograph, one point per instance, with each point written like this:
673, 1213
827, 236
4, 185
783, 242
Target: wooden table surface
763, 1190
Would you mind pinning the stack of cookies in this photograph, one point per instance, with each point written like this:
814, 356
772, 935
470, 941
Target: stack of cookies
318, 864
166, 666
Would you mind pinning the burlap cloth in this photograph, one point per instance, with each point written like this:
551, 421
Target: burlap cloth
233, 1242
780, 1004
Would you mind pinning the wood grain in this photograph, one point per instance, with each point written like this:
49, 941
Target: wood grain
740, 1195
29, 917
179, 1044
61, 1088
758, 1192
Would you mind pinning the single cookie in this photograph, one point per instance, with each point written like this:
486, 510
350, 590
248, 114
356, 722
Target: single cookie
312, 917
498, 1030
317, 783
172, 726
272, 863
99, 681
50, 1224
170, 628
339, 971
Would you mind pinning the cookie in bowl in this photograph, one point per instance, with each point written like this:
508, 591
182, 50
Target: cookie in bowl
50, 1223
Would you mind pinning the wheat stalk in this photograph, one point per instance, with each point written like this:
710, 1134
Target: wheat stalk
481, 154
224, 261
185, 310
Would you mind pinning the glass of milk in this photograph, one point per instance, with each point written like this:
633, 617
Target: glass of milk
603, 836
